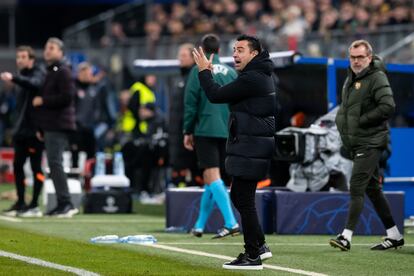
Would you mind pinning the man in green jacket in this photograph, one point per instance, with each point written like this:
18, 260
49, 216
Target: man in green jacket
205, 128
367, 104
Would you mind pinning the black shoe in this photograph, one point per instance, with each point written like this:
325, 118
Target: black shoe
53, 211
197, 232
388, 244
224, 232
244, 262
15, 209
340, 242
264, 252
67, 211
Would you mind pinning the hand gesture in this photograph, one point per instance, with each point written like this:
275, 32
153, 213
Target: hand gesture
201, 60
6, 76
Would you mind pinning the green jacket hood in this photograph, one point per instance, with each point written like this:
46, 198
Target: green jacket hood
378, 64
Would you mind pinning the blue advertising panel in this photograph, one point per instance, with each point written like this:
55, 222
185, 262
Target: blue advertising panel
326, 213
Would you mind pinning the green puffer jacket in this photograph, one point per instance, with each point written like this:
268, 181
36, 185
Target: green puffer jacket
367, 104
201, 117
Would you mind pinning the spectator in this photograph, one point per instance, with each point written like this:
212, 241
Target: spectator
107, 104
346, 16
116, 36
400, 15
94, 113
86, 109
361, 19
294, 27
329, 21
153, 34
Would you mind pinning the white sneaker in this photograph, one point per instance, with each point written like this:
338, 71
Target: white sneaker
31, 213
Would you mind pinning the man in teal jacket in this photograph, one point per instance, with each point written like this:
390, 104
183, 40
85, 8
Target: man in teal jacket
367, 104
205, 128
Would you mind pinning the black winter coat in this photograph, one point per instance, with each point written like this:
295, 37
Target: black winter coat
29, 82
180, 157
58, 92
252, 103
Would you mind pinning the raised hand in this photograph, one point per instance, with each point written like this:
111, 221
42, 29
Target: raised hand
201, 60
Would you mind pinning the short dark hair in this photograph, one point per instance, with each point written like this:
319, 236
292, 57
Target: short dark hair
28, 49
210, 43
253, 42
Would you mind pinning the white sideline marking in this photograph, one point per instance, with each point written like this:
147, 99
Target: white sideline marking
227, 258
40, 262
270, 244
10, 219
59, 220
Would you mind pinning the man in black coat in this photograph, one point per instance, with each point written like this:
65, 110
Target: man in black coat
27, 83
250, 145
56, 118
181, 160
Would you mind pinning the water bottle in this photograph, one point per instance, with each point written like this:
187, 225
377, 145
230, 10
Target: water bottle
138, 239
105, 239
118, 164
100, 163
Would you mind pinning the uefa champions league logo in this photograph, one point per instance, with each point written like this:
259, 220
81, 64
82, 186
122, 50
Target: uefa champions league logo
110, 205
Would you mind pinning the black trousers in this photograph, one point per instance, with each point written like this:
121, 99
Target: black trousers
243, 193
55, 143
140, 161
28, 147
82, 140
366, 179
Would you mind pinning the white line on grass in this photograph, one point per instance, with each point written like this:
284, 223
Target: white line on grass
59, 220
10, 219
227, 258
275, 244
40, 262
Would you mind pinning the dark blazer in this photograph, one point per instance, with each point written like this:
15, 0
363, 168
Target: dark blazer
58, 110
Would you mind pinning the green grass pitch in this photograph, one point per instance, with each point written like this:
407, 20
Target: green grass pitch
66, 242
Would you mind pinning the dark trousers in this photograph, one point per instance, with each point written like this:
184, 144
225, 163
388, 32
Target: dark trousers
82, 140
55, 144
140, 161
25, 147
242, 195
366, 179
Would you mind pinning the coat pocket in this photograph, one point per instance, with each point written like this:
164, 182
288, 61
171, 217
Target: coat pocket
232, 129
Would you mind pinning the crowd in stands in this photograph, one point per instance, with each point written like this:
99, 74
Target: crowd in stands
290, 18
278, 22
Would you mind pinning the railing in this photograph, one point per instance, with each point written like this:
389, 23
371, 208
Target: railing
337, 42
402, 50
87, 33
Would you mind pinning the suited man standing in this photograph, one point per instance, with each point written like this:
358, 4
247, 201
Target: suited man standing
56, 118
